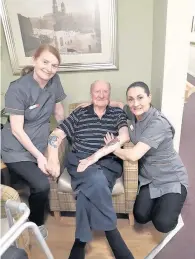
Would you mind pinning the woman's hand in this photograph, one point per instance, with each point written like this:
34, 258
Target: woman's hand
109, 137
84, 163
117, 104
83, 105
42, 163
53, 167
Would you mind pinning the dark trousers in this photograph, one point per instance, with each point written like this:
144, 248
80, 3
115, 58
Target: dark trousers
39, 188
163, 211
14, 253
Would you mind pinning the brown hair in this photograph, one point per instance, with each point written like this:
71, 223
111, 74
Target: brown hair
49, 48
26, 70
139, 84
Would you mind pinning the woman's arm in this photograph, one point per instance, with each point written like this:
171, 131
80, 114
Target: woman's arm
134, 153
83, 105
117, 104
17, 128
114, 144
59, 112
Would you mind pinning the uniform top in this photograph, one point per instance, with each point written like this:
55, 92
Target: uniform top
161, 167
87, 130
25, 97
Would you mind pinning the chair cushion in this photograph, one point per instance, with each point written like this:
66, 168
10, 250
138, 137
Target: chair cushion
64, 184
118, 187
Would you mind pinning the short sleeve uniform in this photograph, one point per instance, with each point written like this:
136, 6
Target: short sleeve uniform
25, 97
161, 167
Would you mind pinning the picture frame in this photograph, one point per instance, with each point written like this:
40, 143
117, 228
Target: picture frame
192, 37
84, 31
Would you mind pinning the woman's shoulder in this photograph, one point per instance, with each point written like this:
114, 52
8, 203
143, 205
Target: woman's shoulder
20, 82
19, 87
56, 78
157, 117
161, 121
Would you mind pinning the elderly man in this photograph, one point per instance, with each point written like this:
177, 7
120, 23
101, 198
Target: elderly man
92, 167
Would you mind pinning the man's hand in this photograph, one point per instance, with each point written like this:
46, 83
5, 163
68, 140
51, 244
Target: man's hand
108, 138
54, 141
42, 163
53, 167
84, 163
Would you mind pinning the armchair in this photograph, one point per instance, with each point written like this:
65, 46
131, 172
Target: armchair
124, 192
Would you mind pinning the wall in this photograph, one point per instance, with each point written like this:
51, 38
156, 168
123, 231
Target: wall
169, 70
158, 50
6, 72
191, 61
135, 29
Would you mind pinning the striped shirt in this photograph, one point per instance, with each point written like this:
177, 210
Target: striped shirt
87, 131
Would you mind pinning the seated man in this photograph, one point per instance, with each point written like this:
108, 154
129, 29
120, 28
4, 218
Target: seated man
87, 127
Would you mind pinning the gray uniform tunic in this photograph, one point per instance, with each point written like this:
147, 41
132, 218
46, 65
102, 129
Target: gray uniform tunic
25, 97
161, 167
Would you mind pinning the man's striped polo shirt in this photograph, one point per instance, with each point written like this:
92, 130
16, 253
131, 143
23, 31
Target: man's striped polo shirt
87, 131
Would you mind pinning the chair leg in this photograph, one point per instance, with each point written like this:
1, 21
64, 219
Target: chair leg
57, 215
131, 219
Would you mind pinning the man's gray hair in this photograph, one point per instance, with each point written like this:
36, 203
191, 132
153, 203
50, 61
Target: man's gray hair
97, 81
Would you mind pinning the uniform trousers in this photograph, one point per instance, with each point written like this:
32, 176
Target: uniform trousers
163, 211
38, 183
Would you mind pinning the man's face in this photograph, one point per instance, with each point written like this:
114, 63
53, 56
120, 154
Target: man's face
100, 94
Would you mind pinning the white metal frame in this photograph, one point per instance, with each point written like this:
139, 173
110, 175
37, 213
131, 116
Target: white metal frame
19, 226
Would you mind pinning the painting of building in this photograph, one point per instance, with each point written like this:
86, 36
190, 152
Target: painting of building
70, 26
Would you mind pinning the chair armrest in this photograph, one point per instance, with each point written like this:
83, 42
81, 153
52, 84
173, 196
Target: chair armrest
7, 193
63, 150
130, 170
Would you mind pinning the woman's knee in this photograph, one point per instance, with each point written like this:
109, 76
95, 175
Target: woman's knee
164, 224
43, 186
140, 216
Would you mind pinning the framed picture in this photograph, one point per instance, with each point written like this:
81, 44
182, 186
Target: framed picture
192, 39
84, 31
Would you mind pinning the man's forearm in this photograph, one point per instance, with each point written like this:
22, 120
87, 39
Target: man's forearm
109, 148
54, 141
59, 118
53, 147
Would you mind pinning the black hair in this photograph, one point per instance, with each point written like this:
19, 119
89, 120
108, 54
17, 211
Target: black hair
139, 84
